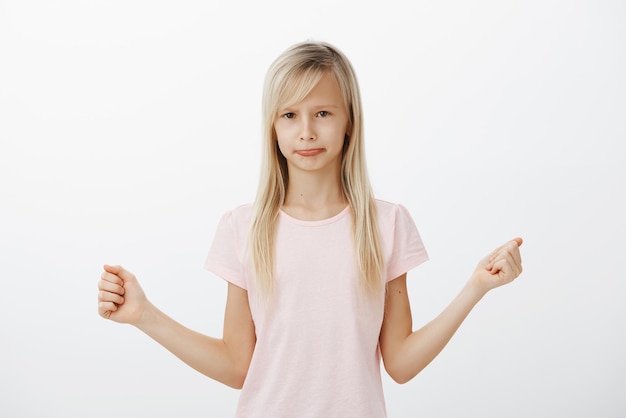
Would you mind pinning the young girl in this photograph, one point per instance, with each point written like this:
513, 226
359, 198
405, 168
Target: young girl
316, 267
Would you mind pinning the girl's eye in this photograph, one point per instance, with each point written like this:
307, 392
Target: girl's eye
289, 115
323, 113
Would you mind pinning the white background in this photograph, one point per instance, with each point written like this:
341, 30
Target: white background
127, 128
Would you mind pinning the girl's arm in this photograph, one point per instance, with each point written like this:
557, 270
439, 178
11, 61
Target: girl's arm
406, 352
226, 360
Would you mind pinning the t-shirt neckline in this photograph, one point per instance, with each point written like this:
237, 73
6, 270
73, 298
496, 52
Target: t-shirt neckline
320, 222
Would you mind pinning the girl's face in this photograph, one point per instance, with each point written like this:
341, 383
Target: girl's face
311, 133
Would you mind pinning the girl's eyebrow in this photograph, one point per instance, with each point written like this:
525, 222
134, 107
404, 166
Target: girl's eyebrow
321, 106
329, 106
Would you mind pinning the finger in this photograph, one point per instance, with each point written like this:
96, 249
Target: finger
507, 256
105, 309
112, 278
493, 257
517, 241
111, 287
494, 254
120, 272
506, 270
511, 247
104, 296
517, 258
509, 251
501, 269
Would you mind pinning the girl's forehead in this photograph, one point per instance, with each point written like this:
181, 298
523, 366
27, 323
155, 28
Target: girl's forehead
324, 88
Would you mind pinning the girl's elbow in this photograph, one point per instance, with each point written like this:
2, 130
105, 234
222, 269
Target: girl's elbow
237, 384
236, 379
233, 376
240, 376
400, 375
400, 378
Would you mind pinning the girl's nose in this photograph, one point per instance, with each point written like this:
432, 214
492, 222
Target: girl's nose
306, 131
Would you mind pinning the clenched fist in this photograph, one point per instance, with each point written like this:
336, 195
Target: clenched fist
120, 298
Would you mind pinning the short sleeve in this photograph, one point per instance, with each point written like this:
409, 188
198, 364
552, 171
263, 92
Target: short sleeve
407, 249
225, 257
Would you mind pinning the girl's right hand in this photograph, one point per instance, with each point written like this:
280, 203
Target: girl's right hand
120, 298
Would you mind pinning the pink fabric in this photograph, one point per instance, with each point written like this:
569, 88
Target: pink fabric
317, 342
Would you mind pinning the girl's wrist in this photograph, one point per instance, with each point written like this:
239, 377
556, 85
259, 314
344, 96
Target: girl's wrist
147, 316
476, 288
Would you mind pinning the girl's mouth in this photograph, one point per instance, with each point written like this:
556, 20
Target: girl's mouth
309, 152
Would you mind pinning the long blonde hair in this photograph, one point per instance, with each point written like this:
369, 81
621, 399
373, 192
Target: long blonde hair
289, 79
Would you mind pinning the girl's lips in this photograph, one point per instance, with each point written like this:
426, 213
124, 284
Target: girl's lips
309, 152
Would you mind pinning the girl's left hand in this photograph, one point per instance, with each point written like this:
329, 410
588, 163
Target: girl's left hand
500, 267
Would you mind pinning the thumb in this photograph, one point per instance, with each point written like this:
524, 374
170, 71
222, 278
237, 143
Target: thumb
518, 240
119, 271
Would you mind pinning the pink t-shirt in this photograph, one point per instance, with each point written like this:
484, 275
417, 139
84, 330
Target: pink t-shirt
317, 351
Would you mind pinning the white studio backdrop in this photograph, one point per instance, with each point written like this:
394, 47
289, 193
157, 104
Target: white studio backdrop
128, 128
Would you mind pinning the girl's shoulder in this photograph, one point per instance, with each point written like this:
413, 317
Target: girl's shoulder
391, 214
238, 217
244, 210
387, 209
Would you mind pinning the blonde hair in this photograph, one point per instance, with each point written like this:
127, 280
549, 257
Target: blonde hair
289, 79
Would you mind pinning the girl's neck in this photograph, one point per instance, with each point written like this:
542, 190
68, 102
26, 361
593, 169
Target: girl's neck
311, 198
